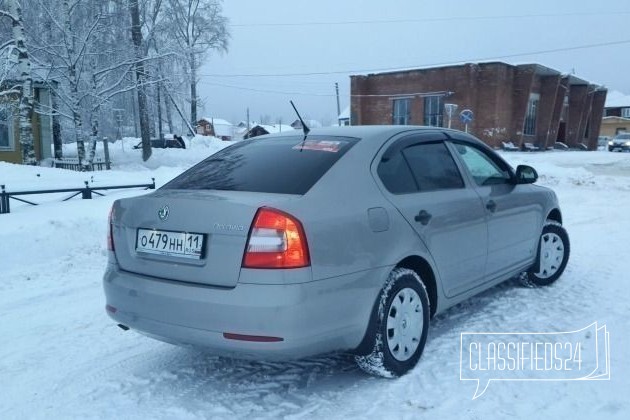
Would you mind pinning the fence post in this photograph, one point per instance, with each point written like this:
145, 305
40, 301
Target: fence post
4, 202
106, 152
86, 193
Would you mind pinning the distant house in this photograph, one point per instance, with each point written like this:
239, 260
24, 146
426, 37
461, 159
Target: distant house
215, 127
262, 129
10, 150
344, 117
297, 124
616, 115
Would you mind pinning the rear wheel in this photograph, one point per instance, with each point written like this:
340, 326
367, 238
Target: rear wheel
553, 255
402, 323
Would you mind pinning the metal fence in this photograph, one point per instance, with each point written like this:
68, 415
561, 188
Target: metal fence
98, 164
86, 193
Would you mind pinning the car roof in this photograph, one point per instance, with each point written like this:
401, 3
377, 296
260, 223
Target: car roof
368, 131
374, 136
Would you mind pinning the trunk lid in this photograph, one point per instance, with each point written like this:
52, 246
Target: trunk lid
223, 218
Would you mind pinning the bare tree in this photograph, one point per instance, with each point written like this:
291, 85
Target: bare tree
103, 55
136, 35
198, 26
24, 80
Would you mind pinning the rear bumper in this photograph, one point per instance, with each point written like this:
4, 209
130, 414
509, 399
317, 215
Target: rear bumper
311, 318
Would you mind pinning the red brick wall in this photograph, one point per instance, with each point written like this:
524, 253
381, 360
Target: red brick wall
578, 95
497, 93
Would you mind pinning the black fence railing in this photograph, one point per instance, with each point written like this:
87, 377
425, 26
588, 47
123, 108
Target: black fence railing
86, 193
74, 164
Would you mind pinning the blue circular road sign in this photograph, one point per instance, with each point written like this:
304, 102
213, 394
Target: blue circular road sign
466, 116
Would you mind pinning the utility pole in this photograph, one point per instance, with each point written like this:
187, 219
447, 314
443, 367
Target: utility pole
338, 107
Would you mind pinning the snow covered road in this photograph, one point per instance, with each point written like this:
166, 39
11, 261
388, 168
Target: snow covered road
62, 357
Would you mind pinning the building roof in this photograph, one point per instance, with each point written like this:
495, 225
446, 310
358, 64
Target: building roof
216, 121
616, 99
538, 68
345, 114
276, 128
222, 128
614, 120
309, 123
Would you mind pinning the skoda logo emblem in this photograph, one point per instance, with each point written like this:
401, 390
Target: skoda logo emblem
163, 213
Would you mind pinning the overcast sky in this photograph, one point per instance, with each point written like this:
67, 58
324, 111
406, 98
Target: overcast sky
274, 39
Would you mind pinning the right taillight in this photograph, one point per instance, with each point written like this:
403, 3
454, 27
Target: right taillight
276, 240
110, 233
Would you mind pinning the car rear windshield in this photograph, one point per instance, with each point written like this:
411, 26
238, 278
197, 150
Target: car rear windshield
283, 165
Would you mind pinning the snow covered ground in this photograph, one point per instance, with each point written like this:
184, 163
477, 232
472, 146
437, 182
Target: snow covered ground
62, 357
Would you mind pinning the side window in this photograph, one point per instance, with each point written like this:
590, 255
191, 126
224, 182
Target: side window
483, 169
396, 175
433, 167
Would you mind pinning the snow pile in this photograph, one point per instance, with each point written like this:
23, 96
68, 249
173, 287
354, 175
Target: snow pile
62, 357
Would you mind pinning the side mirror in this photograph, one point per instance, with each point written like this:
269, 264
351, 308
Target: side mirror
526, 174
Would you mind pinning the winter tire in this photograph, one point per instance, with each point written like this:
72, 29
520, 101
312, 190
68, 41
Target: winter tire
553, 255
401, 324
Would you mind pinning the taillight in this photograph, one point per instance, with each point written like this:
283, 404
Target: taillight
276, 240
110, 233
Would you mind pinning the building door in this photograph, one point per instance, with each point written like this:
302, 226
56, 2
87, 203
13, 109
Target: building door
562, 129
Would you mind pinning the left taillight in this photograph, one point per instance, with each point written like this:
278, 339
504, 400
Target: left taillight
276, 240
110, 228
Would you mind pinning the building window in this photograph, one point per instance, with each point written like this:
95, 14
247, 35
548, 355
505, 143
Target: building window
530, 118
433, 111
6, 130
401, 114
625, 112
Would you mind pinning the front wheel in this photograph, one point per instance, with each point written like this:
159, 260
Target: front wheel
553, 256
402, 324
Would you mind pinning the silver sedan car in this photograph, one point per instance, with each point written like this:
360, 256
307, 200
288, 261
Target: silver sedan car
346, 239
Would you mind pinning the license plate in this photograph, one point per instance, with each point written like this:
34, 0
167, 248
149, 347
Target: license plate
173, 244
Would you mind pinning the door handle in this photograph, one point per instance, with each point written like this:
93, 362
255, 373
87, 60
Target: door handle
423, 217
492, 206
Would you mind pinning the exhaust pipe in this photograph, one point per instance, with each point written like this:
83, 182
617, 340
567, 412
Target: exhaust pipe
123, 327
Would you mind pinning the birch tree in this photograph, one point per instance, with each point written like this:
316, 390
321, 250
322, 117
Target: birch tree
24, 80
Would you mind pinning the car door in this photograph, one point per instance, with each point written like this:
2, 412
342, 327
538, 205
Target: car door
511, 210
422, 180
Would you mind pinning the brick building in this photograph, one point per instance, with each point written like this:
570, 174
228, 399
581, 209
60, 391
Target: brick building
523, 104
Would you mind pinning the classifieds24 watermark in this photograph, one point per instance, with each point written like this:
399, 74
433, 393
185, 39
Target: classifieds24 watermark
558, 356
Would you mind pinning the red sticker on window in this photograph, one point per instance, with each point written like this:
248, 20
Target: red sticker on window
320, 145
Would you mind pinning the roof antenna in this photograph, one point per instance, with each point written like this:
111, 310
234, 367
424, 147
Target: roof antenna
304, 127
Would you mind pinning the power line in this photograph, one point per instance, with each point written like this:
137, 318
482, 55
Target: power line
281, 92
444, 63
263, 90
420, 20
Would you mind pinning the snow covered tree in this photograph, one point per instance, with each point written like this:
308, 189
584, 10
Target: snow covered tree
198, 26
24, 80
136, 36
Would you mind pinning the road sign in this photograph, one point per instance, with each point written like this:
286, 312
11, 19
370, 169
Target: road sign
466, 116
450, 110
